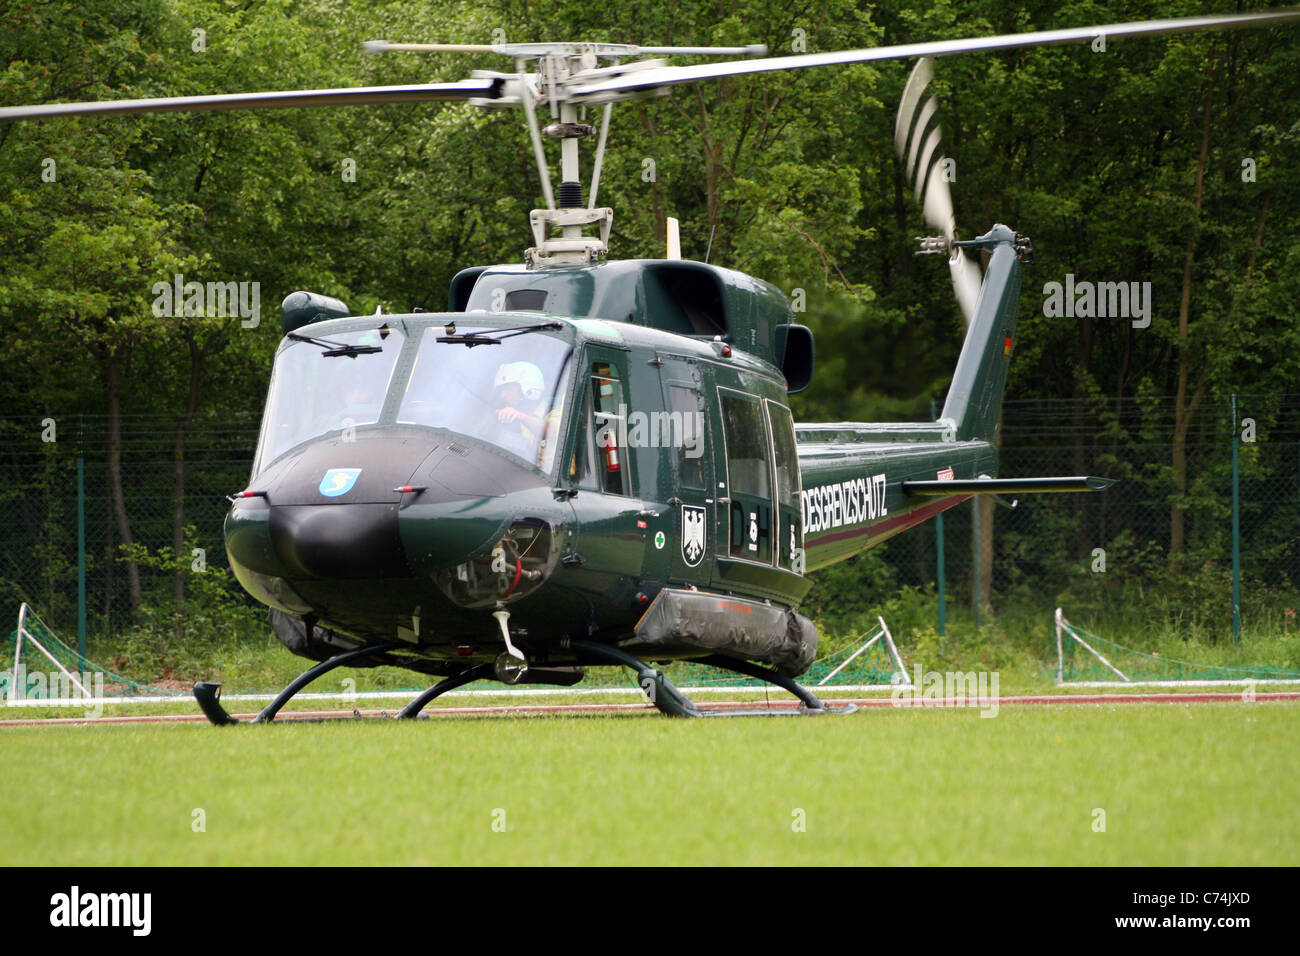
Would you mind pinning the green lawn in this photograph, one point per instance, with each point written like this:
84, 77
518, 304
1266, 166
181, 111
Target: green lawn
1179, 784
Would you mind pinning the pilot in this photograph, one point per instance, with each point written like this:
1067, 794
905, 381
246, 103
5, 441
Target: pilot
359, 385
527, 424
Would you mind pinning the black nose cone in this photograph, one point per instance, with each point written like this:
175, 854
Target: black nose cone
349, 541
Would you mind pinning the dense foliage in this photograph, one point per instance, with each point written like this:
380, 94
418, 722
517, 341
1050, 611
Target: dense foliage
1170, 161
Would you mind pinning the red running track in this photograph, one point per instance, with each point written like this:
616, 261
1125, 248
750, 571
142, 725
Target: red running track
736, 707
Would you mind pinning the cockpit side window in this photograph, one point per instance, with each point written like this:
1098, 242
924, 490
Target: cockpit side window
600, 457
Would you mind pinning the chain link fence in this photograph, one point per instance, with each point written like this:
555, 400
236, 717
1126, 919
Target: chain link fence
39, 510
1122, 549
1127, 550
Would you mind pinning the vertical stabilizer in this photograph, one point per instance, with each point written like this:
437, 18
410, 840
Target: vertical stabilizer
974, 401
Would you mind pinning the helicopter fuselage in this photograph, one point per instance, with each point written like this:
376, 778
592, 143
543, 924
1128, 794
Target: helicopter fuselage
418, 472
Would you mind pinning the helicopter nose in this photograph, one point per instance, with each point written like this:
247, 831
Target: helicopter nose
339, 541
405, 507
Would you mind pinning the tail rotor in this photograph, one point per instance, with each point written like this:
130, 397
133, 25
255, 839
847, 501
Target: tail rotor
918, 141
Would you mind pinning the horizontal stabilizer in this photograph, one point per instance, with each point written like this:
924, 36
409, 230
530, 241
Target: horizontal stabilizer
1005, 486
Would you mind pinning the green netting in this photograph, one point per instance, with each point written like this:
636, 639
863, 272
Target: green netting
1077, 664
876, 665
39, 680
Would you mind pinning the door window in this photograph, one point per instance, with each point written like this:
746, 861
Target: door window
600, 459
789, 535
686, 422
749, 476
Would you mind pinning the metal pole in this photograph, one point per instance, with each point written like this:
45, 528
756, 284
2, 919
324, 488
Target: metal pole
81, 555
943, 598
1236, 529
975, 559
938, 556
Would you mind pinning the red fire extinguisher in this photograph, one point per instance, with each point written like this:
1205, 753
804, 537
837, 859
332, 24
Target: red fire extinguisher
611, 450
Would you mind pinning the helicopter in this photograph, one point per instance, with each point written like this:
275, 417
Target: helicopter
585, 461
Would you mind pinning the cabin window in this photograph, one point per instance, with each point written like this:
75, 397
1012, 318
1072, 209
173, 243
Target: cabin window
510, 395
685, 427
749, 478
786, 457
314, 394
526, 300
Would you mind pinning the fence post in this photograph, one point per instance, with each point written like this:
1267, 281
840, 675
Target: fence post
1236, 529
943, 599
81, 550
975, 559
939, 554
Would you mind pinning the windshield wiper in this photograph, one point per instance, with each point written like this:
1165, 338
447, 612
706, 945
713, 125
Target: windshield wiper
471, 339
334, 349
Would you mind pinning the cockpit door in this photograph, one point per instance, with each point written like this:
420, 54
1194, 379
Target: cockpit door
600, 474
690, 528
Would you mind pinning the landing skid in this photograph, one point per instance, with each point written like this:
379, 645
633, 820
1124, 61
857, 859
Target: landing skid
811, 704
661, 691
669, 699
207, 692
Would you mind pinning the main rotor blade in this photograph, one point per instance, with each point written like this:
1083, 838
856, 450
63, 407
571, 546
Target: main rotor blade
670, 75
542, 49
357, 96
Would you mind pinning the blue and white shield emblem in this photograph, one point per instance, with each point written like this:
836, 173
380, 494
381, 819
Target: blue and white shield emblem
338, 481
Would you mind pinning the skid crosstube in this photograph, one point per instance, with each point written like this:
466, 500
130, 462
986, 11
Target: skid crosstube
208, 693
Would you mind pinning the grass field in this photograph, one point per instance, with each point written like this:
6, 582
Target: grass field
1210, 784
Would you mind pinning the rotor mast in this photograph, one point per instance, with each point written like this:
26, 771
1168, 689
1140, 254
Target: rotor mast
568, 214
560, 229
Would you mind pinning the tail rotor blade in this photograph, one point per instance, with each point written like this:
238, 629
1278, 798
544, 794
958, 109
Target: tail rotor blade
918, 142
932, 190
906, 145
966, 283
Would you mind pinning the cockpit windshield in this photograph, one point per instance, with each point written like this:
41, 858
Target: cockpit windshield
507, 390
313, 393
509, 394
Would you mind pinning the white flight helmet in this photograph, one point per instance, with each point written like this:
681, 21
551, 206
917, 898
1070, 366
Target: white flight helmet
525, 374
